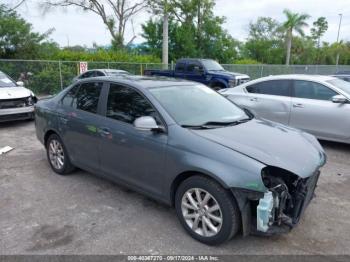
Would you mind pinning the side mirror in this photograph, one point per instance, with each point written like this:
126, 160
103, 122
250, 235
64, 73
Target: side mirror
340, 99
20, 83
147, 123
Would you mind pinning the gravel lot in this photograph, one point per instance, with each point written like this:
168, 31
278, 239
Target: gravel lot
43, 213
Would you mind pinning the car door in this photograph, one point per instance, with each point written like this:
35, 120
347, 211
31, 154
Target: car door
78, 121
195, 72
268, 99
314, 111
127, 154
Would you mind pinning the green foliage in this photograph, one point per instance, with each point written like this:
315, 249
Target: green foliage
320, 26
245, 61
295, 22
16, 36
194, 31
265, 41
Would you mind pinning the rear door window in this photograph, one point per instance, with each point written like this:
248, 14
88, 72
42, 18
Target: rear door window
271, 87
180, 67
312, 90
194, 67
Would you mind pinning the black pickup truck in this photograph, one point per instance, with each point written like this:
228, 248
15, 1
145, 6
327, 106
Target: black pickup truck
205, 71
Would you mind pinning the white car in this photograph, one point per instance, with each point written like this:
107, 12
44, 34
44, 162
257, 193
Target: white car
317, 104
16, 101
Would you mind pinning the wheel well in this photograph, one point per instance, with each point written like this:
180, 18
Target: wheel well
183, 176
47, 135
216, 83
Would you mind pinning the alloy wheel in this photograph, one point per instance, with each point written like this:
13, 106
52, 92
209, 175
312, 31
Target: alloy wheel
56, 154
201, 212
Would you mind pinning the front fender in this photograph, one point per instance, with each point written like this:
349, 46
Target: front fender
228, 167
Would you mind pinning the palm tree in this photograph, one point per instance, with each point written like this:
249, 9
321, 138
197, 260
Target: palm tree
295, 22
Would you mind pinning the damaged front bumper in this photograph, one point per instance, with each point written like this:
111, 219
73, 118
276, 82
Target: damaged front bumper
280, 208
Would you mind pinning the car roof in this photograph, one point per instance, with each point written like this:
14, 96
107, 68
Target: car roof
146, 82
194, 59
113, 70
297, 77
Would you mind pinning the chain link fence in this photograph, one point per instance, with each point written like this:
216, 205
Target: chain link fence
49, 77
257, 71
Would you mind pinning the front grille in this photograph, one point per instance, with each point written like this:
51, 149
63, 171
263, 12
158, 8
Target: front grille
13, 103
11, 117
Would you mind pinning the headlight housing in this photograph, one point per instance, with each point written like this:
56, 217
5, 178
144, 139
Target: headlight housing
232, 82
30, 101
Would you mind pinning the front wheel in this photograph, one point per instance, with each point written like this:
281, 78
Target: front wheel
206, 210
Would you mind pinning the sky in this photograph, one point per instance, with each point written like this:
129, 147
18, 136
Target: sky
76, 27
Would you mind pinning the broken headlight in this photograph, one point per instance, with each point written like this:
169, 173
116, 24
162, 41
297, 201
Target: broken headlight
278, 203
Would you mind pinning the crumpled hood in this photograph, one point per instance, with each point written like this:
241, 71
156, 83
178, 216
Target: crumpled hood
272, 144
230, 75
14, 92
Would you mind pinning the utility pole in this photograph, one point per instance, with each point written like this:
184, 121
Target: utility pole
165, 48
337, 59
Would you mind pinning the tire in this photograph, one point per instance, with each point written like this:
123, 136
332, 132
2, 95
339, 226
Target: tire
216, 86
55, 149
228, 211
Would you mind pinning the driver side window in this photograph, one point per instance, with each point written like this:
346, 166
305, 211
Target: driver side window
126, 104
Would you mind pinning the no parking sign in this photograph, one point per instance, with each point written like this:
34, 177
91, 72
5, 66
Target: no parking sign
83, 67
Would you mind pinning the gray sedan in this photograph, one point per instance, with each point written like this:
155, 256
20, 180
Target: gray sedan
185, 145
316, 104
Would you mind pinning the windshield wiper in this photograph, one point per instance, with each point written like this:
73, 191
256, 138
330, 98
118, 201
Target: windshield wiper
214, 124
197, 126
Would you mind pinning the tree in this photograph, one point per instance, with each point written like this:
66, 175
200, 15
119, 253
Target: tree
17, 39
295, 22
14, 4
119, 13
194, 31
265, 41
320, 26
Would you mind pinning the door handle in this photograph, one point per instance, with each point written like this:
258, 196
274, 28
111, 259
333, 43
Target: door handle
298, 105
104, 131
254, 99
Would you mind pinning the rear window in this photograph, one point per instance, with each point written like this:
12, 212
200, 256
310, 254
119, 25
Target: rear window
5, 81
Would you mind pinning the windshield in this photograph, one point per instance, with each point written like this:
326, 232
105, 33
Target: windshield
197, 105
5, 81
212, 65
341, 84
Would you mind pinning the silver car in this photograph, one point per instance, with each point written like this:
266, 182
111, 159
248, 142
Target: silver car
316, 104
101, 72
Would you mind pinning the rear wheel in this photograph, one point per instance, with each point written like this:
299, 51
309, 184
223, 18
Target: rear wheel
57, 155
206, 210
